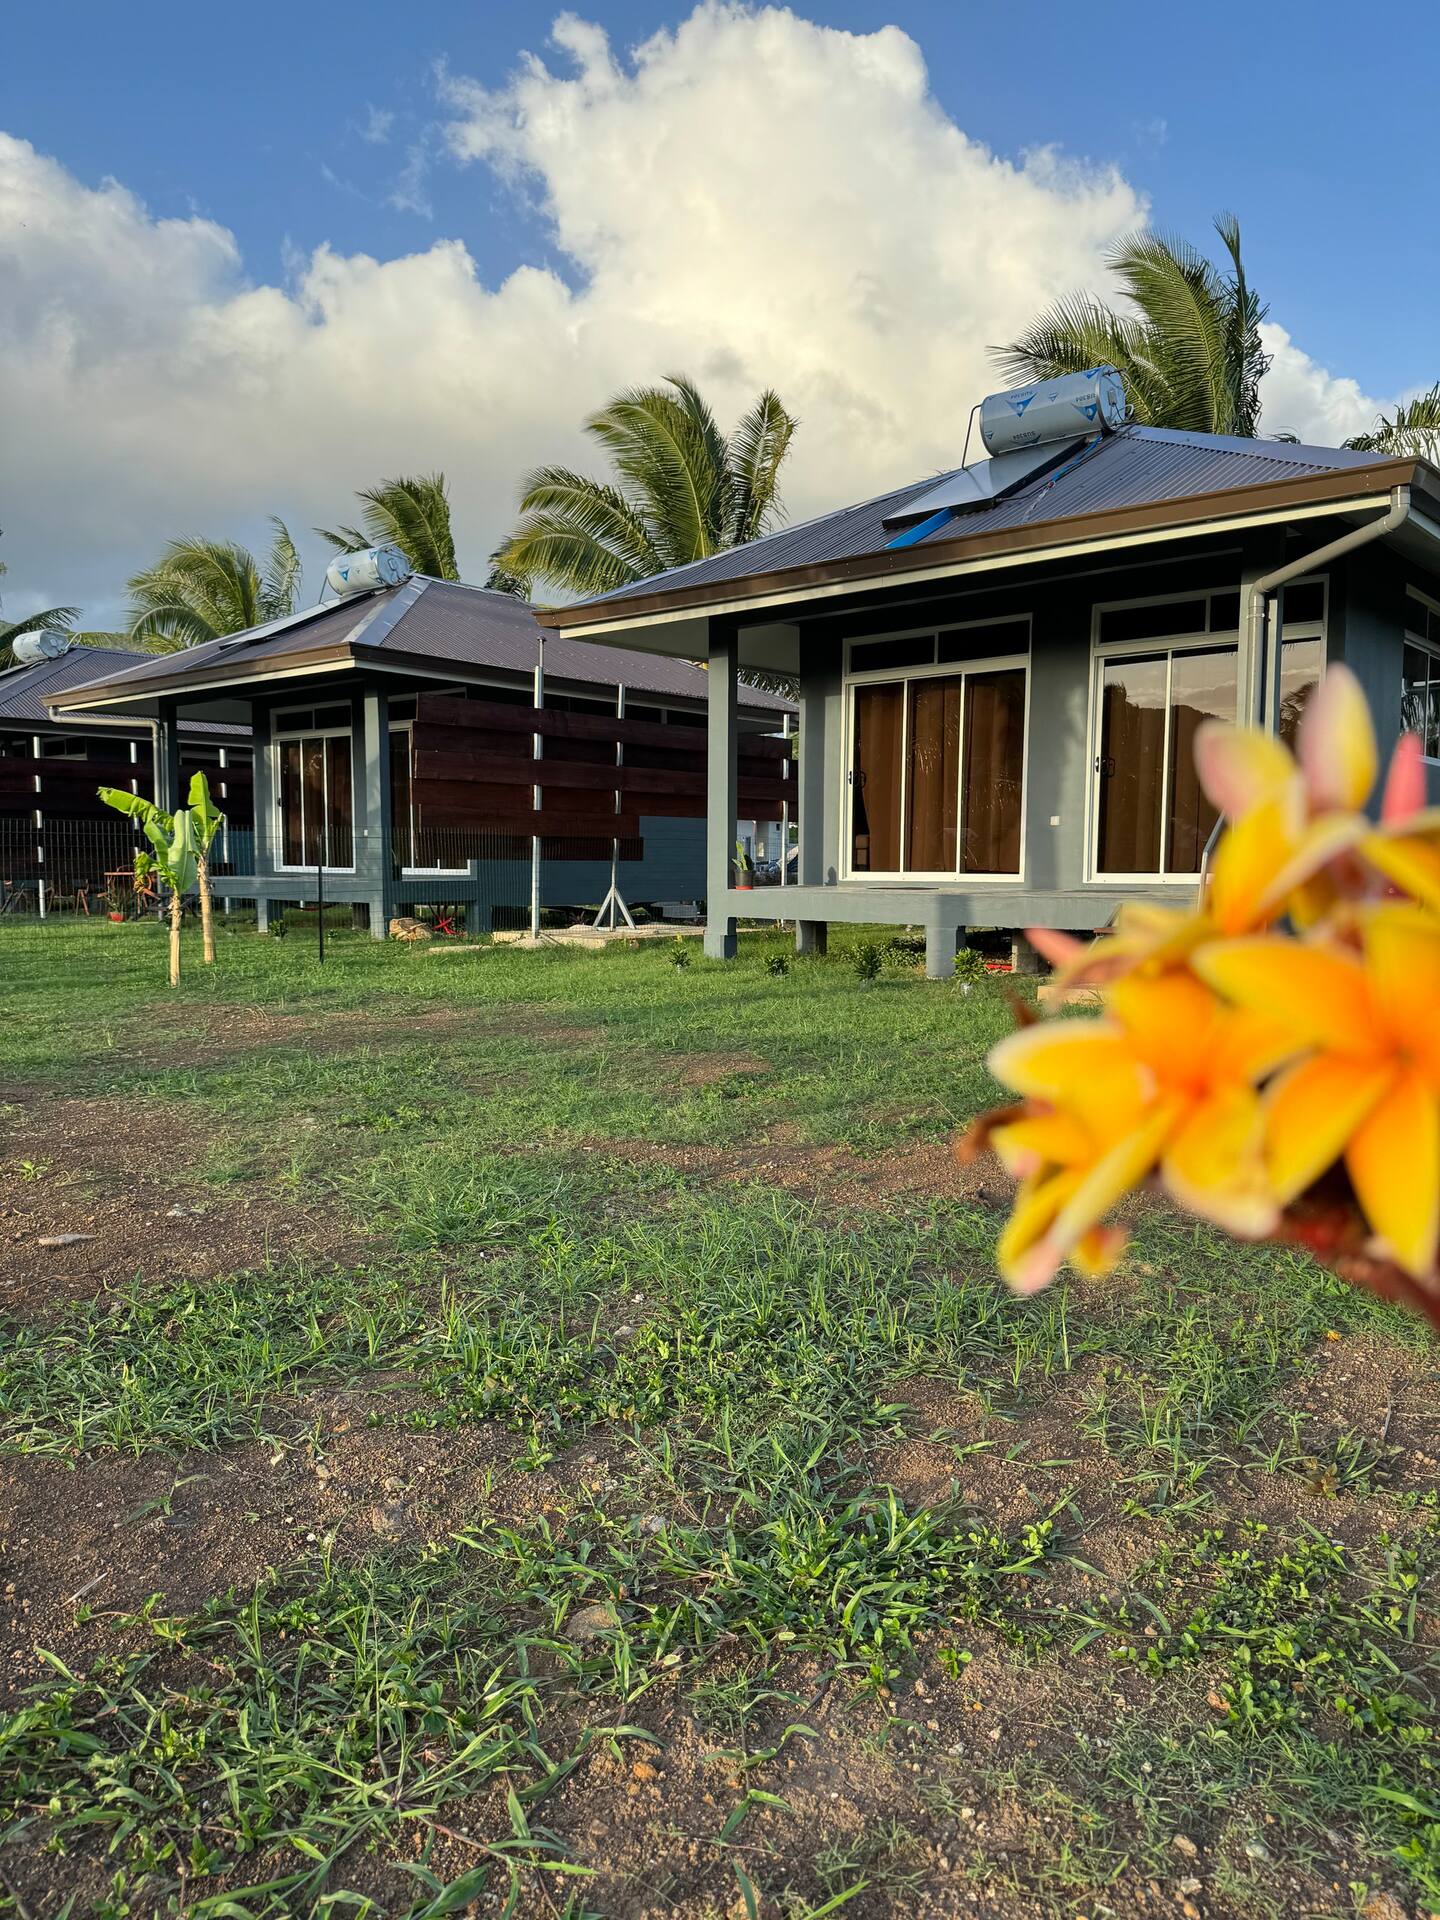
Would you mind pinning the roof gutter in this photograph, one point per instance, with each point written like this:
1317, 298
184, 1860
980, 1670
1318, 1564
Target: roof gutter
1256, 614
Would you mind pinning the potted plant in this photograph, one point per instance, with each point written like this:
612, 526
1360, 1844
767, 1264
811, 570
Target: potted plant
744, 869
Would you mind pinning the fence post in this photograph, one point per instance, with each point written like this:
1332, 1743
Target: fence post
538, 749
320, 905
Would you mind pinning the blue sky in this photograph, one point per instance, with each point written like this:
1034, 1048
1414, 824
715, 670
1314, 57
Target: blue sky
252, 260
1294, 116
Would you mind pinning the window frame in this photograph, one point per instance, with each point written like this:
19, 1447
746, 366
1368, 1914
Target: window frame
279, 736
1422, 643
407, 727
1209, 639
902, 676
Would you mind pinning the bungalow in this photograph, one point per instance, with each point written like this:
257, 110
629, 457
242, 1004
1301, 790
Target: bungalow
57, 839
1001, 672
417, 740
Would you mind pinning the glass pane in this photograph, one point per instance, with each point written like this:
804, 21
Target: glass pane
870, 655
312, 786
1300, 663
341, 804
1305, 602
875, 843
932, 775
401, 827
1202, 687
994, 770
1154, 622
1419, 708
1132, 750
985, 643
291, 837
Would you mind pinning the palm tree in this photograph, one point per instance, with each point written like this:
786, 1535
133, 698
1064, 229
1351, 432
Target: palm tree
681, 490
1188, 345
412, 513
1413, 428
203, 589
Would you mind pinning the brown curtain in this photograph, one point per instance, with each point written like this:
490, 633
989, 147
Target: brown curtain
933, 774
340, 804
875, 789
1132, 759
1202, 687
292, 840
994, 770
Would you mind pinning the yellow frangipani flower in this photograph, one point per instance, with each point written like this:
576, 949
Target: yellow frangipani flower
1367, 1087
1167, 1080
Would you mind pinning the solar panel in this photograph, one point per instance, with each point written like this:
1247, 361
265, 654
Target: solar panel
982, 483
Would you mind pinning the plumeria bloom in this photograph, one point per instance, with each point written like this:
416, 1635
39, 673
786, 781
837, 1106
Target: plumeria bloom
1296, 840
1367, 1088
1167, 1080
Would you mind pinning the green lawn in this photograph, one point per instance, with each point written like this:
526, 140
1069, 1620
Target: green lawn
541, 1433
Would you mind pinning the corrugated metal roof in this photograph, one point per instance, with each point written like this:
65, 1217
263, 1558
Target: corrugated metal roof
438, 620
1139, 466
24, 690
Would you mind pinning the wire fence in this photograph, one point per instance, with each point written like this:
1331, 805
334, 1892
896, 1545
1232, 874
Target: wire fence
58, 869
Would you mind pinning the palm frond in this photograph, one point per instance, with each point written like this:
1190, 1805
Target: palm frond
670, 461
758, 445
280, 580
1413, 430
600, 512
412, 512
343, 539
551, 547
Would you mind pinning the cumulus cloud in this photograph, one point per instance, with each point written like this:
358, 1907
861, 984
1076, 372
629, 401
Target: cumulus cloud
750, 197
1301, 397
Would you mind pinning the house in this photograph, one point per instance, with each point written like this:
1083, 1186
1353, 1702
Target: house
412, 745
1001, 671
54, 828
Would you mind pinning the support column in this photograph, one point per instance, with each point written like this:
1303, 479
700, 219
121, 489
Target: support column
722, 787
940, 944
266, 825
374, 861
167, 759
812, 937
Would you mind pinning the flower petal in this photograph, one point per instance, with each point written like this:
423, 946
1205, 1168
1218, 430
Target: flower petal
1239, 766
1317, 994
1253, 850
1049, 1058
1113, 1176
1409, 862
1405, 782
1402, 956
1337, 744
1215, 1166
1394, 1162
1040, 1139
1026, 1260
1311, 1113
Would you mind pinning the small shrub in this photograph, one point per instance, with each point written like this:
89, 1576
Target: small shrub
777, 965
905, 949
868, 962
680, 955
970, 966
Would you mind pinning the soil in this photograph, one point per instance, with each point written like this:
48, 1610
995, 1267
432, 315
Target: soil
838, 1177
69, 1167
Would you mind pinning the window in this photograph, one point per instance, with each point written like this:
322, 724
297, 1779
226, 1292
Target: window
1420, 696
317, 809
1301, 664
1151, 815
937, 758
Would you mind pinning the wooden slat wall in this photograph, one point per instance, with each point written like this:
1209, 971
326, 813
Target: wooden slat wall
469, 765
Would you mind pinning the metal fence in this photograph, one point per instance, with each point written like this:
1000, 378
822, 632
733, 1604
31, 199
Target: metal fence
54, 869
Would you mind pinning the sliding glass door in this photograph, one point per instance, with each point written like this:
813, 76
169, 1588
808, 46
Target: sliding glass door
1151, 817
316, 801
937, 774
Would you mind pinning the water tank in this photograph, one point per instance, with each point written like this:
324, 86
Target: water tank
40, 643
372, 567
1077, 404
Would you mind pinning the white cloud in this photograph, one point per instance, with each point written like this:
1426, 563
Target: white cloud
378, 122
1301, 397
751, 197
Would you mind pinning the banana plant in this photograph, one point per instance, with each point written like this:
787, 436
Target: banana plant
207, 820
175, 856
